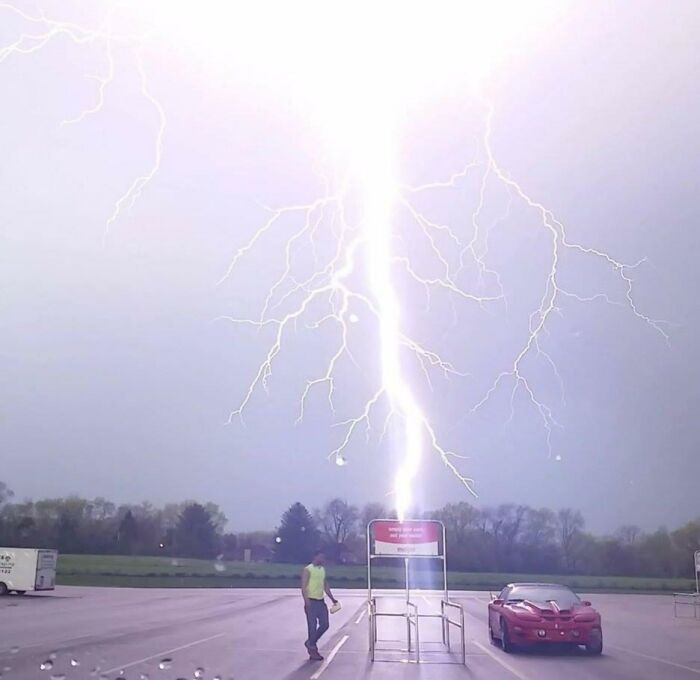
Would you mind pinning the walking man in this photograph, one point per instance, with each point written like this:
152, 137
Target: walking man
313, 589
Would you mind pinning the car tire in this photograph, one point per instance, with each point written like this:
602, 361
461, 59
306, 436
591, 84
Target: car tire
595, 645
3, 589
492, 638
506, 644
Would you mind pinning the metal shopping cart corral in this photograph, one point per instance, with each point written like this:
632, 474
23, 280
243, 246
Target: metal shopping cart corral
682, 602
412, 541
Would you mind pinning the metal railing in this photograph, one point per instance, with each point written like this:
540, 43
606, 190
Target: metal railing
372, 612
681, 601
410, 610
684, 600
412, 619
447, 622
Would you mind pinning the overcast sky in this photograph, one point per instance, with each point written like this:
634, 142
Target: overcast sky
116, 381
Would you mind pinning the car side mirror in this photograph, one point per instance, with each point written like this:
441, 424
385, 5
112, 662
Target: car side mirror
586, 603
497, 601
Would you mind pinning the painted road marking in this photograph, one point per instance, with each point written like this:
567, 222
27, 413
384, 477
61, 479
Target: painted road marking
295, 651
361, 616
56, 643
690, 669
330, 658
500, 661
161, 654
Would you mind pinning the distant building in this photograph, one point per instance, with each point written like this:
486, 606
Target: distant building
255, 553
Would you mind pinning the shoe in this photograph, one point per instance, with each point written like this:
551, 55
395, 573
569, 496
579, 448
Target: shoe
314, 655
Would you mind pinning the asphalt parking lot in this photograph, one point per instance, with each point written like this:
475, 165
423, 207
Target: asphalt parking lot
251, 634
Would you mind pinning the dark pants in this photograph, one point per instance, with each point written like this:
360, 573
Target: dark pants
317, 620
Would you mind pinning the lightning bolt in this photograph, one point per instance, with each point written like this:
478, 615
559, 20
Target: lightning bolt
374, 246
368, 269
42, 30
552, 291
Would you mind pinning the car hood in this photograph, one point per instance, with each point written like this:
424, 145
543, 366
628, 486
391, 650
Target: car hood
549, 609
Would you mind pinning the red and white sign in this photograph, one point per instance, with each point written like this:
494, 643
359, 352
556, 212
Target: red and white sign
406, 539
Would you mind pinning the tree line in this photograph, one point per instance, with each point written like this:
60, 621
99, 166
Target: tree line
506, 538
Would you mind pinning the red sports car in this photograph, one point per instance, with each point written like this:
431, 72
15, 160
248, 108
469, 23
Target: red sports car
531, 613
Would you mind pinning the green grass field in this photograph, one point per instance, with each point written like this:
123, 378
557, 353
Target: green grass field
166, 572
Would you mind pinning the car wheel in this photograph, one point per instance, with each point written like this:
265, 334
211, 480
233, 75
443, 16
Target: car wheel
506, 644
3, 589
595, 643
492, 638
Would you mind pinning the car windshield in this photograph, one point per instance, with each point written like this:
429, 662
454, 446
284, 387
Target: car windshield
564, 597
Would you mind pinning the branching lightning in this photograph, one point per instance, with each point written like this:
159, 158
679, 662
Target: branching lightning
371, 246
42, 30
367, 269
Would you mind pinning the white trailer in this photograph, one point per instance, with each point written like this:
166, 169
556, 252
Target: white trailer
24, 569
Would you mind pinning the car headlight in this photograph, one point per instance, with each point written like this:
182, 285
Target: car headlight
541, 633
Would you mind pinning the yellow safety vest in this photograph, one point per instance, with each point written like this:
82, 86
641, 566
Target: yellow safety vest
317, 581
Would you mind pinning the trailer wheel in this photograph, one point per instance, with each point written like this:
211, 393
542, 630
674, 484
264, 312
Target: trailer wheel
3, 589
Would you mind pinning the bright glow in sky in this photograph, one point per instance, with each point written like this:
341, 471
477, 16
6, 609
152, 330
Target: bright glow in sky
355, 66
181, 119
348, 60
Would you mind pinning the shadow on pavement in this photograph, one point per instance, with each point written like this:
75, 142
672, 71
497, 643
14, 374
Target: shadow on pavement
553, 650
32, 597
304, 669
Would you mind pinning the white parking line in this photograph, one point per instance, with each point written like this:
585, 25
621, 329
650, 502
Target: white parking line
361, 616
690, 669
329, 658
500, 661
55, 643
161, 654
